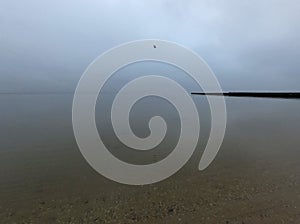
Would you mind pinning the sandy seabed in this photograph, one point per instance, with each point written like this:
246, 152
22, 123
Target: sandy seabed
235, 189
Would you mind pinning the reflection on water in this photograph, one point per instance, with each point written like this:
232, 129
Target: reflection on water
254, 179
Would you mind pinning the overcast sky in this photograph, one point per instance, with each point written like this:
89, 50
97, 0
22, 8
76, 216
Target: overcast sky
250, 45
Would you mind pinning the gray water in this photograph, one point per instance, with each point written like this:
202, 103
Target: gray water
44, 178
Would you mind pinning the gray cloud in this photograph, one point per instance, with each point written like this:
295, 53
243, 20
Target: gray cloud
251, 45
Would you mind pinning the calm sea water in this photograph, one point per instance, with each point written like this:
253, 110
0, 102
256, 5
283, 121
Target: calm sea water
42, 170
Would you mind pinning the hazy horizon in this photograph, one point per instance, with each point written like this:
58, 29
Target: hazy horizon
45, 46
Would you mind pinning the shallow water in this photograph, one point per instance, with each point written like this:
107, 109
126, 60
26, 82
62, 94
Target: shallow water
254, 179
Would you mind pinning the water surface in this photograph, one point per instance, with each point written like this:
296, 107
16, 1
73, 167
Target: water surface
254, 179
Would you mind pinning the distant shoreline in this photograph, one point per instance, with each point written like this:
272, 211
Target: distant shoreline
286, 95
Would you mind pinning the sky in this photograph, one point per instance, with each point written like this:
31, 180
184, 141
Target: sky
250, 45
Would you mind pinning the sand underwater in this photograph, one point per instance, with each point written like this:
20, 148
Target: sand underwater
254, 179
